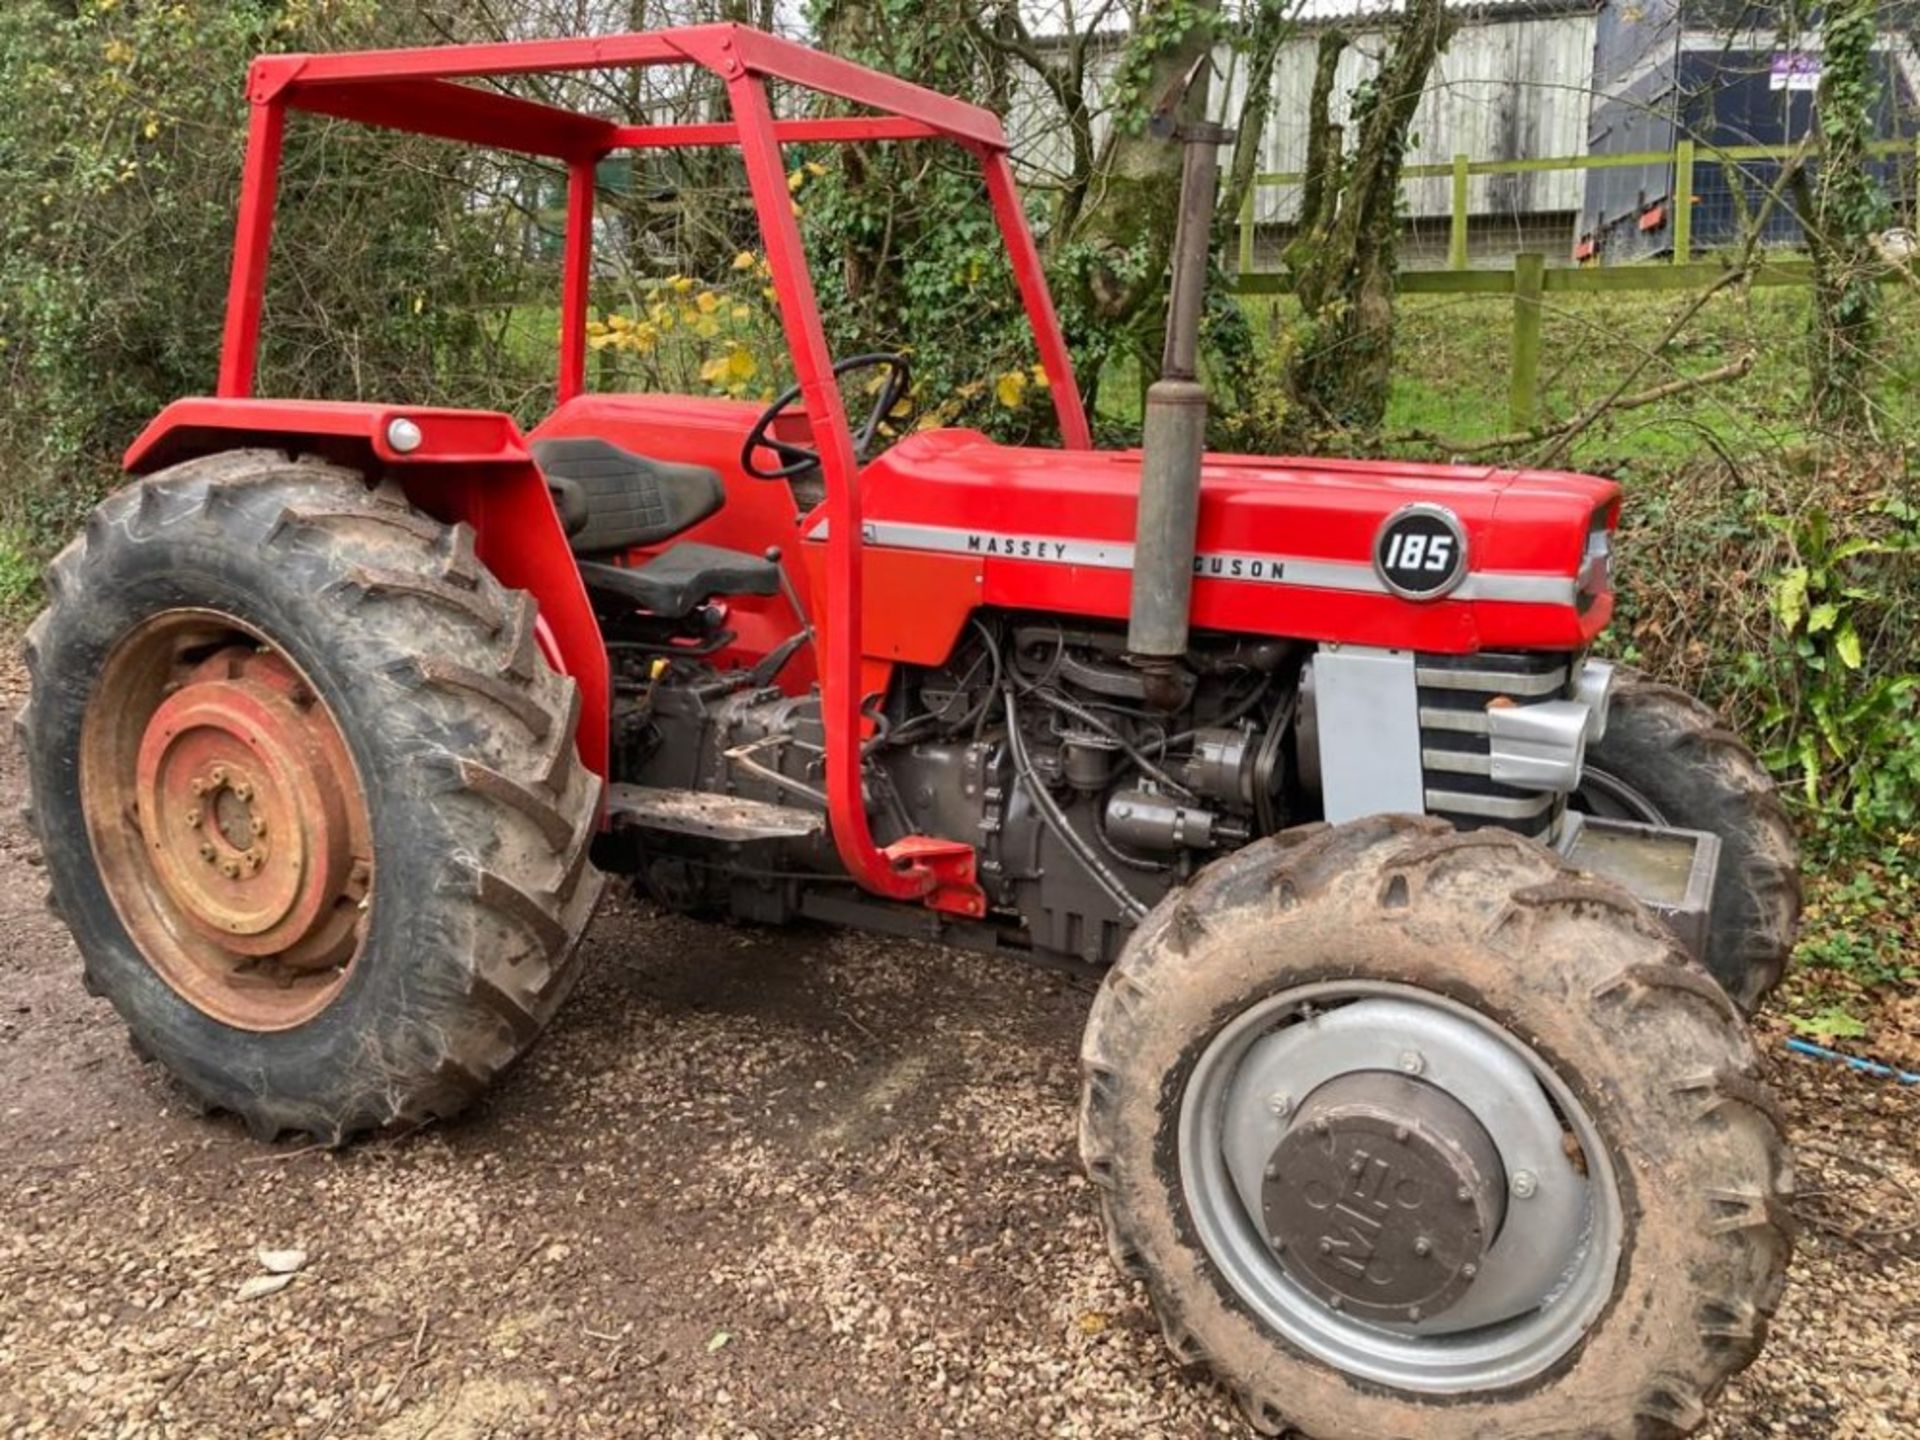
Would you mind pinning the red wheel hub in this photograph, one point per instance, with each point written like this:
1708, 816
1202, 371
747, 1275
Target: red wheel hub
229, 820
249, 838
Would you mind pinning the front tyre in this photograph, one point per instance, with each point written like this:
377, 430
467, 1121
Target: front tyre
1412, 1133
1667, 759
308, 794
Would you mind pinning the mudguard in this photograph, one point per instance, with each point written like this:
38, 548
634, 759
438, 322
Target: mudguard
468, 465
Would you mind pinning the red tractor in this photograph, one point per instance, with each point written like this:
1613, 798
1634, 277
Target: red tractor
1417, 1091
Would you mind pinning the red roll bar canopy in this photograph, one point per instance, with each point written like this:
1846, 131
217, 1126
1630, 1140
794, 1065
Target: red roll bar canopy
419, 91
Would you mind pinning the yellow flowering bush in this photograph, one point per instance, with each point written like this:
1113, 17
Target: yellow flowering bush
682, 332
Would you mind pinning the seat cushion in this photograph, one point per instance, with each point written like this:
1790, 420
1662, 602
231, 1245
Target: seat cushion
611, 499
674, 583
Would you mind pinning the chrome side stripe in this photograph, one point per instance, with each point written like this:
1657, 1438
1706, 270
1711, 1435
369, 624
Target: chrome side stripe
1310, 572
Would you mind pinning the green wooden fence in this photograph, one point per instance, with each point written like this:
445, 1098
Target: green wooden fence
1684, 158
1531, 279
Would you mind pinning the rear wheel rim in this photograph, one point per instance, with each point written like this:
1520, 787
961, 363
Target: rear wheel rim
228, 820
1229, 1096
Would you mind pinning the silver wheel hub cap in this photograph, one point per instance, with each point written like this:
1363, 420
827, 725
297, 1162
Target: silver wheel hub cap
1399, 1187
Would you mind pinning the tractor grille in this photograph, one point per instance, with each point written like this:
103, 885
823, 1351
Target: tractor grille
1454, 747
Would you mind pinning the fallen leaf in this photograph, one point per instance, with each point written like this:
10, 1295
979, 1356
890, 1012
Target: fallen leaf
256, 1287
718, 1342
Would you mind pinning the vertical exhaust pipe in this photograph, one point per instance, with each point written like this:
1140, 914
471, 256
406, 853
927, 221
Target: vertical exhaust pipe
1174, 435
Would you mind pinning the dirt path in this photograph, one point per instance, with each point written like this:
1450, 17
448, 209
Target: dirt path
776, 1185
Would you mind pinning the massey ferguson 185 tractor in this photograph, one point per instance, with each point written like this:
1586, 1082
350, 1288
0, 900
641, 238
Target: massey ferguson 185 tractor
1417, 1091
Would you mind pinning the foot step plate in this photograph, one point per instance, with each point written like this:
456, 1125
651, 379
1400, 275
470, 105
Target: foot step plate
706, 815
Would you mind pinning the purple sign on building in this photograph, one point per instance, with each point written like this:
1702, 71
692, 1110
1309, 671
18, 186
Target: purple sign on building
1794, 70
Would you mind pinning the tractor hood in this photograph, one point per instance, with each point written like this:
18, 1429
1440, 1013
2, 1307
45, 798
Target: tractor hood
1430, 557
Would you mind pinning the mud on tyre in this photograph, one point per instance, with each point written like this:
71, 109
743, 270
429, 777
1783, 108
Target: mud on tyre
308, 793
1476, 952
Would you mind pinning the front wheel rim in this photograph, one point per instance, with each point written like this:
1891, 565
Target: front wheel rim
228, 820
1606, 796
1539, 1300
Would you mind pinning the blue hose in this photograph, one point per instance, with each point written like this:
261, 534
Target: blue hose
1866, 1067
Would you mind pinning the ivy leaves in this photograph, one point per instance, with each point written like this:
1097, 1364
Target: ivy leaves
1853, 737
1849, 211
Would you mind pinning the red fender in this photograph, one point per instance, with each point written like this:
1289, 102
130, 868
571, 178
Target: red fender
469, 465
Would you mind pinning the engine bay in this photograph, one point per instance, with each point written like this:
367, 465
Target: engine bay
1033, 742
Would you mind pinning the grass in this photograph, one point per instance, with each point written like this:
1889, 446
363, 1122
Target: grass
1452, 372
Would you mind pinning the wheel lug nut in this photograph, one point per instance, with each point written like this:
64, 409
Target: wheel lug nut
259, 826
1524, 1184
193, 819
1423, 1246
206, 853
243, 791
199, 787
1469, 1270
1412, 1061
1279, 1103
230, 869
219, 774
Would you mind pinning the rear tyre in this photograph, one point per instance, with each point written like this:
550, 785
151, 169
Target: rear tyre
308, 793
1416, 1133
1667, 759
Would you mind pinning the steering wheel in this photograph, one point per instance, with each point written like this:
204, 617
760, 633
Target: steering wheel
798, 459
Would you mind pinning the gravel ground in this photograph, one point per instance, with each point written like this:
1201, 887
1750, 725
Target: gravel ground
753, 1184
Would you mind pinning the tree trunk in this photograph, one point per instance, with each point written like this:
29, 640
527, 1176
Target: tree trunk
1849, 211
1320, 189
1345, 277
1126, 222
1267, 29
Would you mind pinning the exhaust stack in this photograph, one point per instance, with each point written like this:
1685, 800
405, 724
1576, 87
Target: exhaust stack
1174, 435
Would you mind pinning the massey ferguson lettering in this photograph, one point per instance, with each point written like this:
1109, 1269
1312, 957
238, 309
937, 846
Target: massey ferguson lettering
1069, 552
1238, 567
1016, 547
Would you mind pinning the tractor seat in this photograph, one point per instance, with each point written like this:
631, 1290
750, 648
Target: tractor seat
610, 499
674, 583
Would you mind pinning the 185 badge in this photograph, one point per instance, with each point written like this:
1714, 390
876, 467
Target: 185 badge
1420, 551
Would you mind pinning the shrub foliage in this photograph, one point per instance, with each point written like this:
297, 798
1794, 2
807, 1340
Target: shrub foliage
121, 144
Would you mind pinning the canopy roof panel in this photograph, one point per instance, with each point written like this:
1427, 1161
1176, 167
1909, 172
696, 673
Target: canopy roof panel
419, 91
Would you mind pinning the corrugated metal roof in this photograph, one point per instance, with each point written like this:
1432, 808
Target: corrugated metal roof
1513, 84
1316, 13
